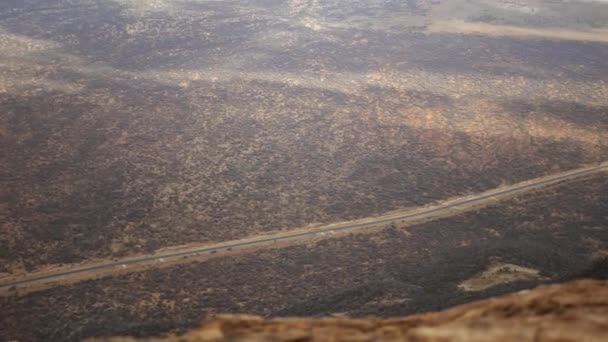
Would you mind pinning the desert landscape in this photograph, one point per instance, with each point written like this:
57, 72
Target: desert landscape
549, 236
129, 127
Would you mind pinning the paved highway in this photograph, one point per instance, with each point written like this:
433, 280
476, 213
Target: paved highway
440, 210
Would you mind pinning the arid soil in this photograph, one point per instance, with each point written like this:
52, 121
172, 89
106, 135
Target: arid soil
131, 125
547, 236
572, 312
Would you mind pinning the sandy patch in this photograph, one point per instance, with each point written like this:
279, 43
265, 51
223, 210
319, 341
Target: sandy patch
497, 274
457, 26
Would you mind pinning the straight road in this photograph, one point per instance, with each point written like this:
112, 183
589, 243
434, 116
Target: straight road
444, 209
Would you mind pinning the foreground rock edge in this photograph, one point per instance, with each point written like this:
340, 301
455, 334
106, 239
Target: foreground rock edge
574, 311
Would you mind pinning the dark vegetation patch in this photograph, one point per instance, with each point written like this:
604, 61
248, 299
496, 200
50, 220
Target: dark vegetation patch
88, 180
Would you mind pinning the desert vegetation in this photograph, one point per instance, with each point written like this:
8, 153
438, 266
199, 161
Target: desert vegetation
127, 126
551, 235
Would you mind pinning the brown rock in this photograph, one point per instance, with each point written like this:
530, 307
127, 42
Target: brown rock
576, 311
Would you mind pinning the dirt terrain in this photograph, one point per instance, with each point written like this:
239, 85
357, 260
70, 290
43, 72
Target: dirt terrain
130, 125
559, 233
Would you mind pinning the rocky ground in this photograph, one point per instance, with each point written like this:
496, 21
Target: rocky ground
571, 312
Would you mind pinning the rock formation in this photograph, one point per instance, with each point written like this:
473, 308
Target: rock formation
575, 311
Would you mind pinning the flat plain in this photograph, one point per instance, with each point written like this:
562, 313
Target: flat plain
128, 126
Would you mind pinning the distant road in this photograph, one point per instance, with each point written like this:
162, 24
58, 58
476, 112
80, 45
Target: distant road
45, 279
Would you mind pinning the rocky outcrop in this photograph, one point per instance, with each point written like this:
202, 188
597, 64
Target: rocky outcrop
575, 311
